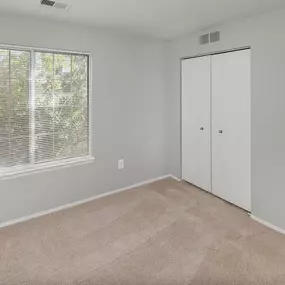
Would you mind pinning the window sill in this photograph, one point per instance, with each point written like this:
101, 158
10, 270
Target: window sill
32, 169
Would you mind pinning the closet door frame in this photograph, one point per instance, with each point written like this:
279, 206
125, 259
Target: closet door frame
181, 118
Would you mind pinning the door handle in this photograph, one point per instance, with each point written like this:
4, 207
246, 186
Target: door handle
202, 129
220, 131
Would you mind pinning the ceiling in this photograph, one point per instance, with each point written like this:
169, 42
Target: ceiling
165, 19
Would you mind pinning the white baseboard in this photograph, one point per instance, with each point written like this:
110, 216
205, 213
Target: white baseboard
175, 178
267, 224
77, 203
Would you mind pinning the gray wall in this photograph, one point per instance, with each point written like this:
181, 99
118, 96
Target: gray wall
136, 111
129, 110
265, 35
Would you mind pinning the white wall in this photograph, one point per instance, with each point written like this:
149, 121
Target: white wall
265, 35
128, 115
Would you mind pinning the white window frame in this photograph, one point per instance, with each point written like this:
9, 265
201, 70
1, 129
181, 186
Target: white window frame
15, 171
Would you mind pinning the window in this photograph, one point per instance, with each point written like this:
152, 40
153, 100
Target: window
44, 108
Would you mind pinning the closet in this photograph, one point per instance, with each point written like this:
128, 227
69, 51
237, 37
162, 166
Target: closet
216, 100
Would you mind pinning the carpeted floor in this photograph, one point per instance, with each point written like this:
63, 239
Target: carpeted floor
163, 233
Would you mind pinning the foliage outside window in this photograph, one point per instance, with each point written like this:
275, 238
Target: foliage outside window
44, 103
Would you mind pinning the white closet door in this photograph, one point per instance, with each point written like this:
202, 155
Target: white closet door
231, 127
196, 110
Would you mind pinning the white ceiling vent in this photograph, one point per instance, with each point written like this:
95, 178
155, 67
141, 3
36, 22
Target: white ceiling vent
54, 4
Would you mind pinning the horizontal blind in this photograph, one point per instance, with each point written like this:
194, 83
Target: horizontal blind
44, 103
61, 106
14, 107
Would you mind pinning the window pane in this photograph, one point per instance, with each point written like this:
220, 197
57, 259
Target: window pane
49, 122
44, 80
80, 115
62, 105
63, 119
19, 122
14, 107
44, 120
4, 66
44, 148
63, 145
19, 150
4, 152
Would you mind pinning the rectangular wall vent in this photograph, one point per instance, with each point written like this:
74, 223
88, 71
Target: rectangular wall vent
214, 37
210, 38
47, 3
60, 6
54, 4
204, 39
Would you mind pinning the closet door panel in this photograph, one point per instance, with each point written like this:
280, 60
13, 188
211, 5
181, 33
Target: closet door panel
231, 127
196, 109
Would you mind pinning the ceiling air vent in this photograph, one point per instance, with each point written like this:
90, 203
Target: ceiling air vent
47, 3
210, 38
60, 6
204, 39
54, 4
214, 37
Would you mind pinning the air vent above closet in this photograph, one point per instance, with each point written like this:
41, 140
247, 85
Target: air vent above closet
209, 38
54, 4
204, 39
214, 37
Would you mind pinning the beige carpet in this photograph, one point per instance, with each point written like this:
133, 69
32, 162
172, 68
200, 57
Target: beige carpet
163, 233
